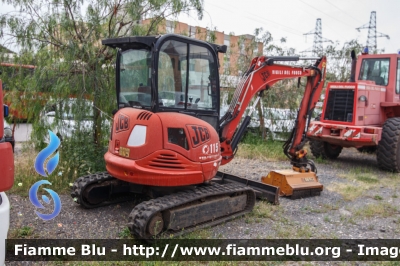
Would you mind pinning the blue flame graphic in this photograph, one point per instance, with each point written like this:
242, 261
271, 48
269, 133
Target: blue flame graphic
35, 201
45, 153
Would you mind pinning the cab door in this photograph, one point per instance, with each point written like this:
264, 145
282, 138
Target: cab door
187, 79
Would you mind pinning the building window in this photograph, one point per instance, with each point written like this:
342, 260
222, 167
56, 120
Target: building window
170, 27
192, 32
242, 49
227, 57
255, 50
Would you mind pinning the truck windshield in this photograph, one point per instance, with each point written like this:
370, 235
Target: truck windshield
375, 69
135, 78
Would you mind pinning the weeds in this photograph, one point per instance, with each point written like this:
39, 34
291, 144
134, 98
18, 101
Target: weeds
381, 209
327, 219
377, 197
320, 160
26, 175
125, 233
23, 232
323, 208
347, 219
348, 191
362, 180
254, 147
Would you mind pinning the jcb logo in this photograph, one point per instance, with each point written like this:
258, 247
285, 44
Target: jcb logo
122, 123
198, 134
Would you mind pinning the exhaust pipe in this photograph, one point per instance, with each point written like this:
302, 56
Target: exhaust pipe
353, 67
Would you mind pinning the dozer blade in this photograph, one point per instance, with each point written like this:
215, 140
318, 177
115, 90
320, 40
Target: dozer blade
263, 191
293, 183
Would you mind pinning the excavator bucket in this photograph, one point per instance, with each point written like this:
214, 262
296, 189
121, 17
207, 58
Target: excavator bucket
294, 183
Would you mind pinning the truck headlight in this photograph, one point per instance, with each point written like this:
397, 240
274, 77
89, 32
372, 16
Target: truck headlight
7, 132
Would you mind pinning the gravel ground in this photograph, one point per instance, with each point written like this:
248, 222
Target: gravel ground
374, 214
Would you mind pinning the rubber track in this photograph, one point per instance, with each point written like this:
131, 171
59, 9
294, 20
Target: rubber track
386, 154
143, 212
83, 182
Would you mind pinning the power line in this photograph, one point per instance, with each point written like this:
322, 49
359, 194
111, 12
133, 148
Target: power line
343, 11
325, 13
288, 29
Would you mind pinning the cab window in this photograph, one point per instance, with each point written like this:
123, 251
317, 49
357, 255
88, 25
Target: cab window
186, 78
135, 77
375, 69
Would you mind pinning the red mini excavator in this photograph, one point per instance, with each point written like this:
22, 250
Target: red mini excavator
168, 140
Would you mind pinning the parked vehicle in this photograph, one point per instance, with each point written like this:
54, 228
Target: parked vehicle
8, 134
67, 117
363, 113
6, 180
278, 122
171, 155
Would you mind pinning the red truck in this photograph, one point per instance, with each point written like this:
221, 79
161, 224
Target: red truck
363, 113
6, 179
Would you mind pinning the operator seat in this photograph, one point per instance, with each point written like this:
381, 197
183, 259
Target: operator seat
145, 96
375, 76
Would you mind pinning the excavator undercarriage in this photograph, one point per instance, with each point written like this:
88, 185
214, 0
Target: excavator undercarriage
174, 211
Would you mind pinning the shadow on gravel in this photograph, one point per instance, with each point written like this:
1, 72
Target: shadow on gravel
351, 158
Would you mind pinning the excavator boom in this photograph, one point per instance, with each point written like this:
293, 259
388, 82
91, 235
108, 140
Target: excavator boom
261, 75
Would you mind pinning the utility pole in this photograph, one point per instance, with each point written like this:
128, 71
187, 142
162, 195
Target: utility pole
317, 49
372, 33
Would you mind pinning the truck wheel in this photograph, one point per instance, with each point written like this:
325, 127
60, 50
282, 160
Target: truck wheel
388, 152
367, 149
324, 149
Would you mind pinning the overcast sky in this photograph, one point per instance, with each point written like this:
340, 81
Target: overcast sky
292, 18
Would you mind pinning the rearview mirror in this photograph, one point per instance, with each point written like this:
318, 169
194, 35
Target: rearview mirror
5, 110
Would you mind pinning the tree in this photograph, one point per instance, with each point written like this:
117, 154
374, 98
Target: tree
339, 60
65, 39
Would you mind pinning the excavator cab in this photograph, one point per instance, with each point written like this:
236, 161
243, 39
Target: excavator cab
168, 74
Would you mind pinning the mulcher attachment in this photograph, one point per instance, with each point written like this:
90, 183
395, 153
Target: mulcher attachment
294, 183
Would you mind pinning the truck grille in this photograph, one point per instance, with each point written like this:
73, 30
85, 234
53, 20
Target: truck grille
340, 105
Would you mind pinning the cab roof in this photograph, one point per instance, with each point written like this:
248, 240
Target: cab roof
135, 41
